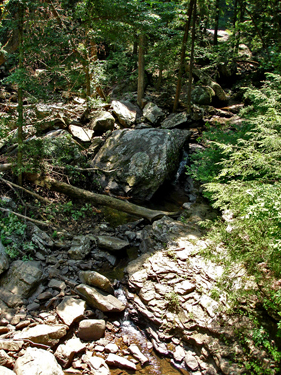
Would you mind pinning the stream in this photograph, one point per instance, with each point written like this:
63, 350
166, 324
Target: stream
170, 197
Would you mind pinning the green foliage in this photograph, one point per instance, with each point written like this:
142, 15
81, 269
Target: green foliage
241, 169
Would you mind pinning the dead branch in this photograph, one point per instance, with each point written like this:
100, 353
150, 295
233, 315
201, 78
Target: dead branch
26, 217
45, 200
99, 199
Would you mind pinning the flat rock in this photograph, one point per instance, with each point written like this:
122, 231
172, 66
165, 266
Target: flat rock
37, 361
82, 133
66, 352
99, 366
11, 345
117, 361
111, 243
174, 120
71, 309
43, 334
91, 329
136, 352
191, 361
93, 278
99, 300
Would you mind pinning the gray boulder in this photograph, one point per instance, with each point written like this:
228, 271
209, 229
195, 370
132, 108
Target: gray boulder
202, 95
66, 352
152, 113
43, 334
99, 300
4, 259
37, 361
71, 309
125, 112
102, 123
175, 120
137, 162
81, 247
111, 243
20, 281
93, 278
82, 133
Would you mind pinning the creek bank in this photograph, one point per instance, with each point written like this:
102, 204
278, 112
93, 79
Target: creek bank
169, 294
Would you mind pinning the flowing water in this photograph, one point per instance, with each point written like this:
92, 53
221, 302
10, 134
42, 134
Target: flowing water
156, 365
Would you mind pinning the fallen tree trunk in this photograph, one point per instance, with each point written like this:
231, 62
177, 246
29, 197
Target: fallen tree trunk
99, 199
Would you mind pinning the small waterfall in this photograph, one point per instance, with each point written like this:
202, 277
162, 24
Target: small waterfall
181, 167
137, 337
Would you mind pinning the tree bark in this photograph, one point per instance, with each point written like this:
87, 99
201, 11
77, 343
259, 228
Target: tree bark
182, 58
217, 16
99, 199
191, 59
20, 96
141, 71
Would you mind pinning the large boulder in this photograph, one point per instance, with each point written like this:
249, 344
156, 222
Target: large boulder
102, 122
137, 162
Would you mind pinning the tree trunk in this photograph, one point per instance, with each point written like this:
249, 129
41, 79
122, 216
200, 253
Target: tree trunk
141, 71
20, 96
99, 199
183, 50
191, 59
217, 16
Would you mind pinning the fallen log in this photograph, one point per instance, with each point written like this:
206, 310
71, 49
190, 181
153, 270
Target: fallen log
99, 199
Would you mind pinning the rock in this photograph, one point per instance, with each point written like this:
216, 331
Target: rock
179, 354
202, 95
57, 284
20, 281
219, 91
5, 359
152, 113
4, 259
11, 345
43, 334
66, 352
134, 349
99, 366
99, 300
91, 329
191, 361
137, 162
125, 112
117, 361
93, 278
184, 287
70, 310
37, 361
40, 238
81, 247
82, 133
175, 120
95, 145
42, 111
102, 123
111, 243
111, 348
6, 371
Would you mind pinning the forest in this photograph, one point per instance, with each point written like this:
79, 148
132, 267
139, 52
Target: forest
216, 63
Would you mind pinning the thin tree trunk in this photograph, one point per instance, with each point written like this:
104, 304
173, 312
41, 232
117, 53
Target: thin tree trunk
191, 59
182, 58
20, 97
141, 71
217, 16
